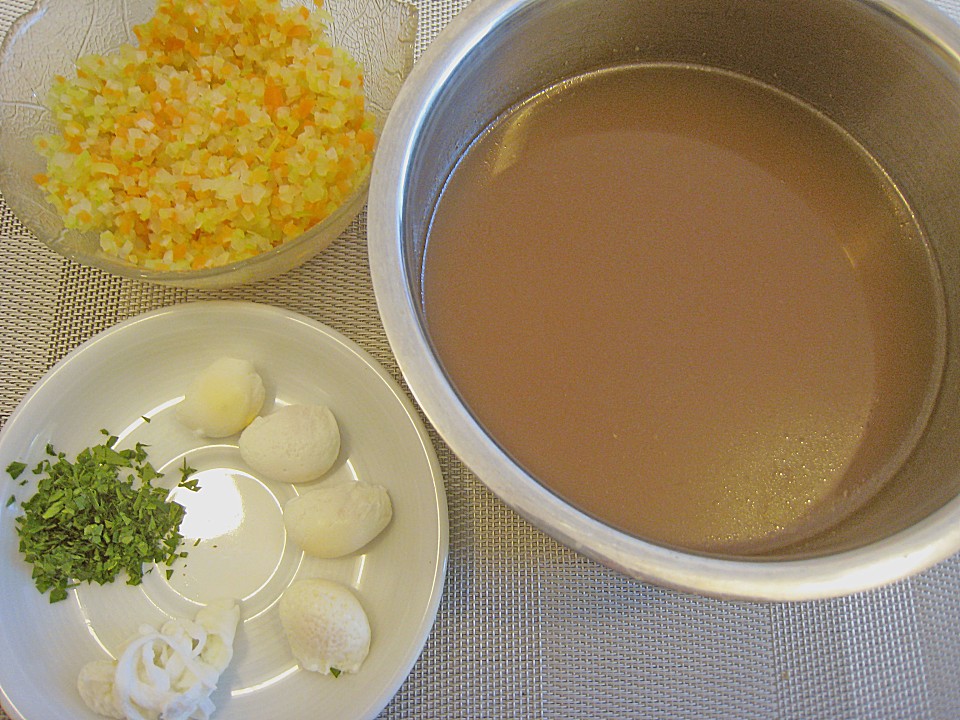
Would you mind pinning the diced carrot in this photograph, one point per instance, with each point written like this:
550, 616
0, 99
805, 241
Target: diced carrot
367, 139
146, 81
171, 113
305, 106
298, 31
273, 96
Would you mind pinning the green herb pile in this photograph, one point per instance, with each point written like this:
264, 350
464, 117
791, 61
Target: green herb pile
96, 517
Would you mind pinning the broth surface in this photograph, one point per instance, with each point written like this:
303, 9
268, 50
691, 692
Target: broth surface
686, 303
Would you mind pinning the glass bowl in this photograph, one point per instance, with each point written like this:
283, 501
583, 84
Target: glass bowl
47, 41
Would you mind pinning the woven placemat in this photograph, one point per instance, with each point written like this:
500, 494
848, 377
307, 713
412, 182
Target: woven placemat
528, 628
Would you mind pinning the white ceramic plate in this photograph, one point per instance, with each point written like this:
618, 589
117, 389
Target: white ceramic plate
140, 368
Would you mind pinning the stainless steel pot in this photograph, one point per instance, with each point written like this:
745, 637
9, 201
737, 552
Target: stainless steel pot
888, 71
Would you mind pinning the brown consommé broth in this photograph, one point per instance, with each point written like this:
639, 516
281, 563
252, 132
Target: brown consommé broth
687, 303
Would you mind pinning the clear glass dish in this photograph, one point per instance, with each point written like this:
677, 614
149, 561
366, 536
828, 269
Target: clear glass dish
47, 41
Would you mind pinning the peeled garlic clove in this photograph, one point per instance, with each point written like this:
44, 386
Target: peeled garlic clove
325, 625
294, 444
331, 521
222, 399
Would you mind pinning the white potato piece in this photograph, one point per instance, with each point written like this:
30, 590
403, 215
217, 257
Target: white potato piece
294, 444
223, 399
325, 625
335, 520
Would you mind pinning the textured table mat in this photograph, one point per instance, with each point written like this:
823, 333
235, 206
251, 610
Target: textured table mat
528, 628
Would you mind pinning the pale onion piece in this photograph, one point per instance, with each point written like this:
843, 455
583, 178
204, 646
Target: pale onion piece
219, 619
325, 625
223, 399
168, 673
294, 444
335, 520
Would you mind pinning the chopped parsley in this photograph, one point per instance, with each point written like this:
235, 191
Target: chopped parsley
96, 517
335, 672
